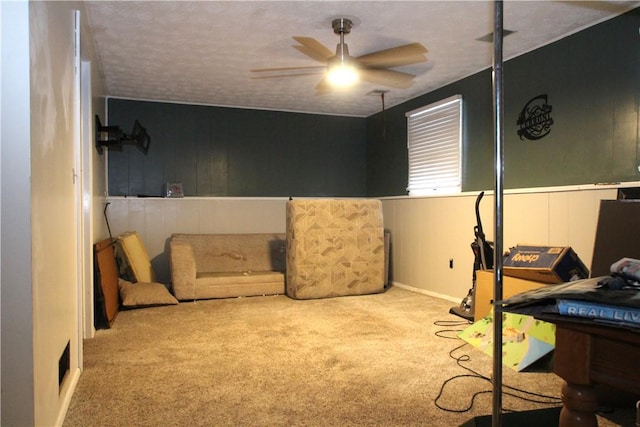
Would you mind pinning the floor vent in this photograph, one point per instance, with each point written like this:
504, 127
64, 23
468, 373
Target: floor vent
64, 364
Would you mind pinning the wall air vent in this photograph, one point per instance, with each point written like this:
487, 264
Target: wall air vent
64, 364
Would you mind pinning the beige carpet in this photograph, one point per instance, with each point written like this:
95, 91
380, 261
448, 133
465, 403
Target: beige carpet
374, 360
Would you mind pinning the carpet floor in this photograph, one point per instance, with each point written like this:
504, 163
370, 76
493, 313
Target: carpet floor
389, 359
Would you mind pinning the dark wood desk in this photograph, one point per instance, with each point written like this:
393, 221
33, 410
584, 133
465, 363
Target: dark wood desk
588, 354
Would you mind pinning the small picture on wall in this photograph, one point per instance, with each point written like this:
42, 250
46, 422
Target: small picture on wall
174, 190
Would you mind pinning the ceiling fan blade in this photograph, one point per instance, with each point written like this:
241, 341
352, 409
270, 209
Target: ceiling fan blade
313, 48
390, 78
395, 62
411, 53
276, 76
266, 70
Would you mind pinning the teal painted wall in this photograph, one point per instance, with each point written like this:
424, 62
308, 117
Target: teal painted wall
592, 80
217, 151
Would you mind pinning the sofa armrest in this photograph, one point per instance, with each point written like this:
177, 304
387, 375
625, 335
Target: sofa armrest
183, 270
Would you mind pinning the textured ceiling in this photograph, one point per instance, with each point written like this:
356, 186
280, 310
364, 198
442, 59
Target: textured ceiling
202, 52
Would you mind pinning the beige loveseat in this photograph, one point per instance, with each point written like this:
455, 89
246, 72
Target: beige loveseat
227, 265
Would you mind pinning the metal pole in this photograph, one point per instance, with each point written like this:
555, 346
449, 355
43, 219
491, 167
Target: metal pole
498, 191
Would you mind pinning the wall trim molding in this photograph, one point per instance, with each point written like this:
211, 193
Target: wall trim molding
71, 382
227, 198
426, 292
532, 190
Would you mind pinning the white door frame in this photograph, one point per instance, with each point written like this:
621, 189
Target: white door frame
86, 180
77, 173
82, 175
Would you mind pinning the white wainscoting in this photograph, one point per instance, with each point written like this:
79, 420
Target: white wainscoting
426, 233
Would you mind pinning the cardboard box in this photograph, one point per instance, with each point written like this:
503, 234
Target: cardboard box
483, 298
548, 264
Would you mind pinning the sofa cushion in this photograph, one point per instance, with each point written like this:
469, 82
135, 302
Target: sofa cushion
237, 284
144, 294
137, 257
236, 252
224, 277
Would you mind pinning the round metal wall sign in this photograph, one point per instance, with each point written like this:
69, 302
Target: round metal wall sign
534, 121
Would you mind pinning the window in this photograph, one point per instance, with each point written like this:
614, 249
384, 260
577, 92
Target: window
435, 147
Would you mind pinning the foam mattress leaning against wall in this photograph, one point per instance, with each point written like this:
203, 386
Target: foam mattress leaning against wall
335, 248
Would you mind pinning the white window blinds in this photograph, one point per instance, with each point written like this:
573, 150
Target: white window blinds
435, 147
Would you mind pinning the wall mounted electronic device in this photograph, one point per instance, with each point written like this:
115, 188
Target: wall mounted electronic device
113, 138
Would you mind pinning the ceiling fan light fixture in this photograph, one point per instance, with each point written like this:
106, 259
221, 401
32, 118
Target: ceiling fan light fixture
341, 69
342, 74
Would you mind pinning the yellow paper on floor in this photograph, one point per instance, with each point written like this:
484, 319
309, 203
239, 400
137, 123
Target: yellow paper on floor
524, 338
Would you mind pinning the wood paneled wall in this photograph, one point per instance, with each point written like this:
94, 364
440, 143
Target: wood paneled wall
216, 151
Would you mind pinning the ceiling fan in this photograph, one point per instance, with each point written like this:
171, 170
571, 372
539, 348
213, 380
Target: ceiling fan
342, 70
